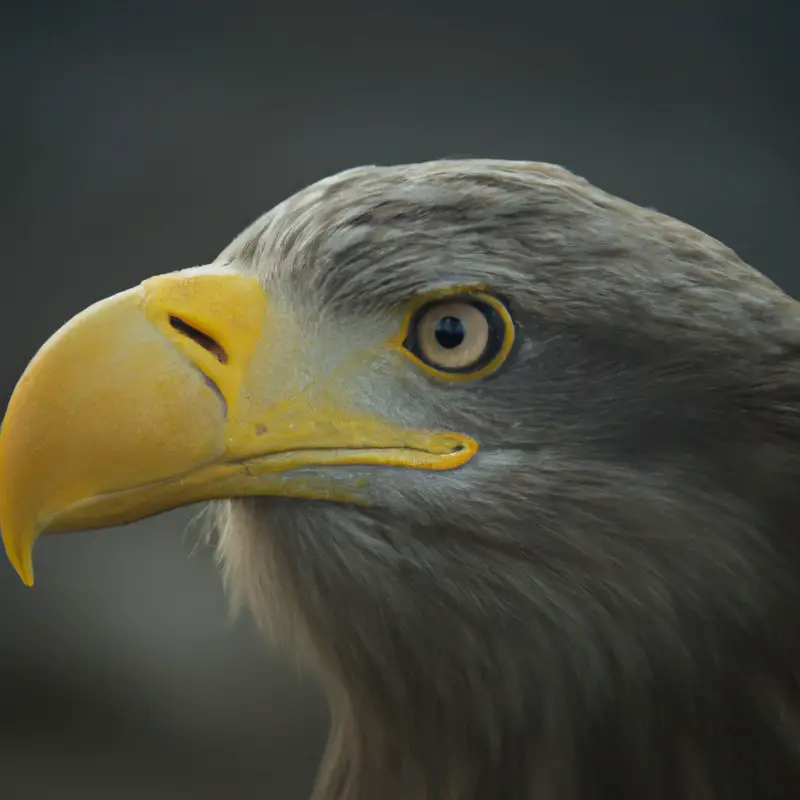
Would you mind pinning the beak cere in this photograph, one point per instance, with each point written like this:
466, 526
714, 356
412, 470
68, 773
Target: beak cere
172, 393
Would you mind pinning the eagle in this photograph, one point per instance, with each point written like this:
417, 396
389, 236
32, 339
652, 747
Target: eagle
510, 464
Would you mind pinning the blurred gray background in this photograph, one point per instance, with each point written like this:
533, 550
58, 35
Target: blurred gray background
140, 138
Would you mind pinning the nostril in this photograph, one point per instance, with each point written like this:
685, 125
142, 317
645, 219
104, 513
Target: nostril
203, 339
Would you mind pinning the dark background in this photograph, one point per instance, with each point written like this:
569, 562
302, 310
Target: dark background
140, 138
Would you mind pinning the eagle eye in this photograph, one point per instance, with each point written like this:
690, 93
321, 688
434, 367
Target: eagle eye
459, 337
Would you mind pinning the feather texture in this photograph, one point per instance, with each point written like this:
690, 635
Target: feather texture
604, 603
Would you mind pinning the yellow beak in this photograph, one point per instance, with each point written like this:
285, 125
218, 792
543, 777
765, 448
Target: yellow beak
186, 388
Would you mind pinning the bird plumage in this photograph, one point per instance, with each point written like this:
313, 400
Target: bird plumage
557, 563
603, 603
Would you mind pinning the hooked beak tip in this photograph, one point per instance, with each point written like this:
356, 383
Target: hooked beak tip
21, 558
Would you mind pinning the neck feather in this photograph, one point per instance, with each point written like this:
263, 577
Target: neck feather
497, 689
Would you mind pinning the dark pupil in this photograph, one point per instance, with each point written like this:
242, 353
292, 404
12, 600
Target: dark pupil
450, 332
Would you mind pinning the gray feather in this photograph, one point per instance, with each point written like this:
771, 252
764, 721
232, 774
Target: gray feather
604, 603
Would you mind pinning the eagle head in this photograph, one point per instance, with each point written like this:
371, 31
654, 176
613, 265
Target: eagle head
510, 463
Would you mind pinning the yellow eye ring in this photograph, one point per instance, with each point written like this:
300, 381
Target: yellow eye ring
458, 335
